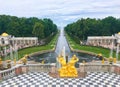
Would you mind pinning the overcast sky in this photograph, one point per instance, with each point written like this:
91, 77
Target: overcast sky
61, 12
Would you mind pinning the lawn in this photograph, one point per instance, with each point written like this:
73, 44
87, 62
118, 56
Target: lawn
30, 50
105, 52
34, 49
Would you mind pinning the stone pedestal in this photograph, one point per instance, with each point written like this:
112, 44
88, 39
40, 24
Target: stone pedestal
117, 69
18, 70
53, 68
81, 72
53, 71
82, 67
24, 69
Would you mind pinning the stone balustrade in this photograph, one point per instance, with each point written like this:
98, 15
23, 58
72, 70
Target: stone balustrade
5, 74
20, 69
38, 67
116, 68
87, 67
97, 67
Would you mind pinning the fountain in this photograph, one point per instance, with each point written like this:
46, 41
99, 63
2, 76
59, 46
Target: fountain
15, 52
117, 51
111, 51
5, 53
63, 46
11, 53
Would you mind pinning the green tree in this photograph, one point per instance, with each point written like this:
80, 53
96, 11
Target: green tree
93, 27
24, 26
14, 28
38, 30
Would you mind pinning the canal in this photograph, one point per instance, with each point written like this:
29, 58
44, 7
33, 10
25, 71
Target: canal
62, 43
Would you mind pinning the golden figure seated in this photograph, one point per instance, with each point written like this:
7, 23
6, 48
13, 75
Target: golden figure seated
68, 70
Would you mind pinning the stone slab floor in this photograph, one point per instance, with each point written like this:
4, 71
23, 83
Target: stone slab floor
40, 79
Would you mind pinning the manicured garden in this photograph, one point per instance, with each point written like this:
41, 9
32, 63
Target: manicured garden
30, 50
105, 52
22, 52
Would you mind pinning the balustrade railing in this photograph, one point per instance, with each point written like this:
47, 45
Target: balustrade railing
97, 67
90, 67
5, 74
38, 67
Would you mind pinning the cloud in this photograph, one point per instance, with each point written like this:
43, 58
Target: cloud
61, 11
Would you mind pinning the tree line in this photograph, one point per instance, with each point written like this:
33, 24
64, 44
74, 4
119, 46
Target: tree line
83, 28
27, 27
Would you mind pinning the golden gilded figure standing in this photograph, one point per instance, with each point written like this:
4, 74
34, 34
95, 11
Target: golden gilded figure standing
63, 69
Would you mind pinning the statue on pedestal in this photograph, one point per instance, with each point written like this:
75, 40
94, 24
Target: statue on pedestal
63, 70
24, 59
72, 71
68, 69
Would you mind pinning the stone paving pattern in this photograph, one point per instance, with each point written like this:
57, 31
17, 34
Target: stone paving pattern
40, 79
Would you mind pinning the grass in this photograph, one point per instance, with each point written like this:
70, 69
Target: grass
104, 51
34, 49
30, 50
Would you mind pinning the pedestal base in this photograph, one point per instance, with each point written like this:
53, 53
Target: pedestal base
56, 75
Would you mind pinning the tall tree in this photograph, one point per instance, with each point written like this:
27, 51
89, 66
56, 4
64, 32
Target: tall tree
38, 30
93, 27
24, 26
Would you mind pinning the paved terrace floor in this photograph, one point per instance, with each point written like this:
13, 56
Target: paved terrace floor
35, 79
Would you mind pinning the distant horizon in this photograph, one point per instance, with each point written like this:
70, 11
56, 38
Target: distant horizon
61, 12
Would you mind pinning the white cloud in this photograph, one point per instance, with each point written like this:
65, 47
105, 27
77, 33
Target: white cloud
61, 11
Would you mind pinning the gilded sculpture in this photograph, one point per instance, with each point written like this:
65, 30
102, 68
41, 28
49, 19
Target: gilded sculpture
68, 69
24, 59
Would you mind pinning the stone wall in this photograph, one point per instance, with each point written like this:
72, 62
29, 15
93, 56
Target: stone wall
94, 67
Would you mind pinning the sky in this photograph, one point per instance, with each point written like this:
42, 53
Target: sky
62, 12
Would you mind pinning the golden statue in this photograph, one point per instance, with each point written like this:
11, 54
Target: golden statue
1, 64
110, 60
103, 61
15, 62
68, 69
63, 69
114, 60
0, 61
72, 71
43, 62
24, 59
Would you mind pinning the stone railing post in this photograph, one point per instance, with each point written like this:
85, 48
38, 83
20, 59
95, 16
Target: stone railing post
81, 71
82, 67
116, 69
24, 69
18, 70
53, 68
53, 71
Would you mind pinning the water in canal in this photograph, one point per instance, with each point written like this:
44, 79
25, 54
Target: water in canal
62, 43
